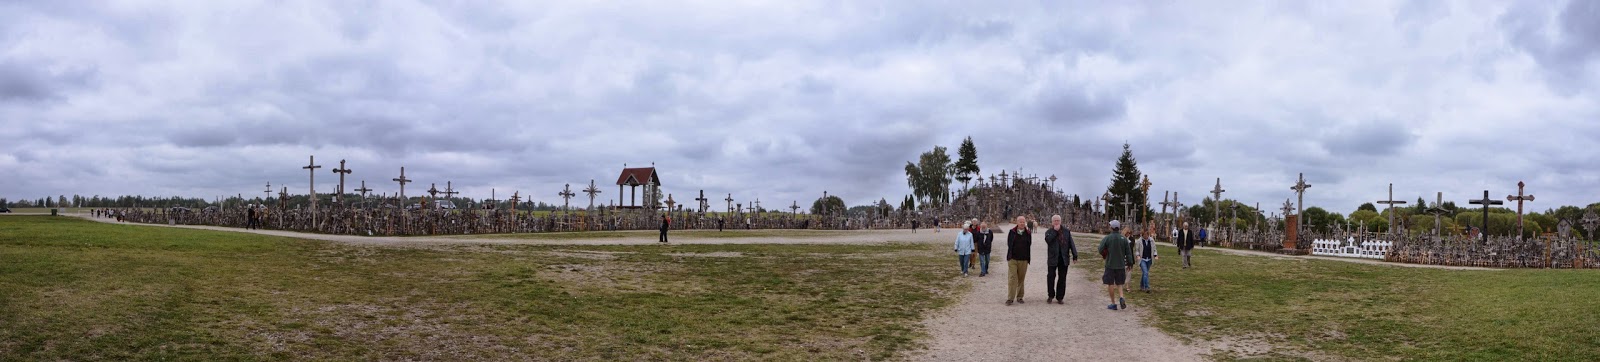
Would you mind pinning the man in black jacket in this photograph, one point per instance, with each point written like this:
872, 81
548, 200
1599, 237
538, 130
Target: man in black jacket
1018, 245
984, 241
1185, 240
1060, 251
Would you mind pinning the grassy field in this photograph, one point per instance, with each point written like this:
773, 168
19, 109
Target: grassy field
651, 234
73, 289
1315, 309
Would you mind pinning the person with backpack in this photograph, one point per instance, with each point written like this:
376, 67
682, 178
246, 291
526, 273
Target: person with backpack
666, 222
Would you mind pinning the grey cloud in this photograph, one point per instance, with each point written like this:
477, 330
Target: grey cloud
1068, 105
1566, 40
1368, 138
39, 82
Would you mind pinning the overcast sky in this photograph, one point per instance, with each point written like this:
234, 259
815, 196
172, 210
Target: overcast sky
784, 100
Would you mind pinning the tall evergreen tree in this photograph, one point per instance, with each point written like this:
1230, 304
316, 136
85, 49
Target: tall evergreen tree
1125, 185
967, 165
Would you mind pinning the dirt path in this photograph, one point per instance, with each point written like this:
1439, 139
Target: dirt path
982, 328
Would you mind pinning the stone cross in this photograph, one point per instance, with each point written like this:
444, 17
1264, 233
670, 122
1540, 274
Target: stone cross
702, 199
338, 196
566, 194
1300, 192
1519, 198
1486, 202
403, 181
363, 190
1216, 203
730, 203
794, 208
1438, 212
312, 169
1391, 202
591, 191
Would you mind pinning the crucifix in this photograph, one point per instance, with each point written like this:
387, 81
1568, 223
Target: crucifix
516, 197
338, 195
670, 203
403, 181
1166, 202
1287, 208
794, 208
730, 203
363, 190
1217, 200
566, 194
433, 191
1053, 180
449, 191
756, 205
1176, 205
1391, 202
312, 169
591, 191
1144, 189
1519, 198
1486, 202
1438, 212
1300, 191
702, 199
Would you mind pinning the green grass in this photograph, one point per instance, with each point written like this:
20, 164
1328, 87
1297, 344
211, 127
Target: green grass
1317, 309
72, 289
651, 234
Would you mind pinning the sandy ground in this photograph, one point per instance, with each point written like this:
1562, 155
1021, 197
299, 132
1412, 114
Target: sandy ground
982, 328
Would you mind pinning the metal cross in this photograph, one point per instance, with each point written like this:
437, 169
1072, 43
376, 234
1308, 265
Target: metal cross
1519, 198
338, 195
794, 208
1438, 212
403, 181
1300, 192
591, 191
1486, 202
433, 190
730, 203
312, 169
268, 191
566, 194
1217, 200
449, 190
1391, 202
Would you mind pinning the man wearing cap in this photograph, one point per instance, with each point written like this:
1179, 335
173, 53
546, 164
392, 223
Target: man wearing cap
1060, 251
1114, 248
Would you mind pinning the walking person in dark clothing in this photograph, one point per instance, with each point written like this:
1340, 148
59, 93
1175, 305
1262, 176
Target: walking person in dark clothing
1114, 248
1018, 245
1061, 252
1185, 241
250, 221
985, 243
666, 222
719, 224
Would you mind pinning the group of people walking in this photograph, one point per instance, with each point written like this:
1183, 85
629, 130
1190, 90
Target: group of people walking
975, 241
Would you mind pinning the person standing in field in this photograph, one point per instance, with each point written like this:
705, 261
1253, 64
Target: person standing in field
985, 244
1018, 245
666, 223
1147, 257
1061, 252
1185, 241
1114, 248
963, 248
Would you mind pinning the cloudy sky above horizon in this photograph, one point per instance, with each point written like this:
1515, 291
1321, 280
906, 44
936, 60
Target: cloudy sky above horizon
785, 100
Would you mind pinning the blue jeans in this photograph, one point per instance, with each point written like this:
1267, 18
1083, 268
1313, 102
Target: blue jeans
1144, 273
983, 260
965, 262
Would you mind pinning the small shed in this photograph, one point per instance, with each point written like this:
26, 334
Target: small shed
635, 177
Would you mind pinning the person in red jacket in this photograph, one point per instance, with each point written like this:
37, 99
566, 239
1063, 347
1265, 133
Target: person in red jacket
666, 222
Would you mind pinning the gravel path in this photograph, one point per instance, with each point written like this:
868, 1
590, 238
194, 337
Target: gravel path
982, 328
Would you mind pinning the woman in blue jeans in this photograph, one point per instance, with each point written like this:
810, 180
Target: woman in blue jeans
964, 247
1147, 256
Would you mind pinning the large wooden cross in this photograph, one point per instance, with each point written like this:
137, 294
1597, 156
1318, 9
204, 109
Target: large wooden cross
1391, 202
516, 197
1519, 198
338, 195
1177, 206
1486, 202
1165, 203
730, 203
449, 190
1216, 200
312, 169
433, 191
702, 199
403, 181
283, 198
591, 191
1300, 192
1127, 207
1438, 212
566, 195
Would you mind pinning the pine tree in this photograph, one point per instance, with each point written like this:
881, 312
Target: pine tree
1125, 185
967, 166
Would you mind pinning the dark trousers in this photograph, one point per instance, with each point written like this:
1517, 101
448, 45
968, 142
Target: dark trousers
663, 235
1055, 281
